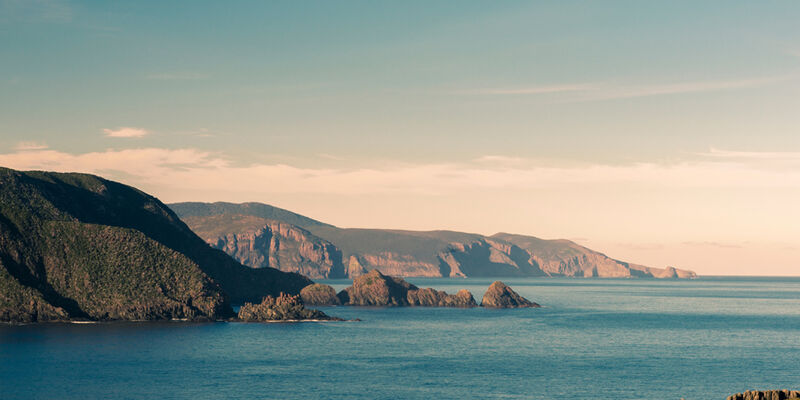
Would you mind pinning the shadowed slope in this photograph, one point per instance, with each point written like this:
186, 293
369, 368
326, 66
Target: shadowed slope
81, 246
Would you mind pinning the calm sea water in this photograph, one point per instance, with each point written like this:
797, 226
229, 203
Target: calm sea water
595, 339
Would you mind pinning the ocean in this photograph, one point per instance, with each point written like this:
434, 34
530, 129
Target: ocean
705, 338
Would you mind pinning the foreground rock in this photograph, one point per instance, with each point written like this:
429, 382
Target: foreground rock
501, 296
282, 308
766, 395
318, 294
376, 289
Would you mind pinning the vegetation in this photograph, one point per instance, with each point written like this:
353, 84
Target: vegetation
79, 246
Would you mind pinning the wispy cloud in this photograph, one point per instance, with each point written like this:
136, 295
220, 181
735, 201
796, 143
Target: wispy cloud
192, 169
547, 89
499, 160
713, 244
27, 146
178, 76
126, 132
581, 92
752, 155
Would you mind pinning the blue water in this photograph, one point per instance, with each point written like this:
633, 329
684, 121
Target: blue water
595, 339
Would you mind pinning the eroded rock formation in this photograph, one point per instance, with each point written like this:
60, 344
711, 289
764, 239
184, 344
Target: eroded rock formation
501, 296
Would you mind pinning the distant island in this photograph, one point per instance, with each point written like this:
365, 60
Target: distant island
260, 235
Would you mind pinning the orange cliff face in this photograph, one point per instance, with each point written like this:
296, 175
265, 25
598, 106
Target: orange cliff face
318, 250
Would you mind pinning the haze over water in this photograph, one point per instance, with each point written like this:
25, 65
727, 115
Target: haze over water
594, 339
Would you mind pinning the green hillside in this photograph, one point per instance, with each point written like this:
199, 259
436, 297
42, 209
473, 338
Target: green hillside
79, 246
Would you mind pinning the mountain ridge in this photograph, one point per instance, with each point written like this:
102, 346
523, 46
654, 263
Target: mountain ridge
434, 253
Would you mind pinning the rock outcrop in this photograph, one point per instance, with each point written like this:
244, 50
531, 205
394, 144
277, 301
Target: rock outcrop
501, 296
281, 308
335, 252
318, 294
428, 297
766, 395
79, 247
377, 289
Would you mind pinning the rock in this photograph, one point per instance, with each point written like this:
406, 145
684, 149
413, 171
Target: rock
766, 395
501, 296
282, 308
318, 294
377, 289
428, 297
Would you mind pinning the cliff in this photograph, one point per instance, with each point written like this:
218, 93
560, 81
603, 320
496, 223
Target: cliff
260, 243
231, 227
76, 246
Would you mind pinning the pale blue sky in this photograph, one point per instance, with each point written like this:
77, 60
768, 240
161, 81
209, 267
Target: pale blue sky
473, 115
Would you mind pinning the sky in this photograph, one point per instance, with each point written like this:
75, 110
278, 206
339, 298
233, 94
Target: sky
660, 133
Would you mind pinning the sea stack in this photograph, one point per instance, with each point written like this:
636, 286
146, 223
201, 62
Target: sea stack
376, 289
499, 295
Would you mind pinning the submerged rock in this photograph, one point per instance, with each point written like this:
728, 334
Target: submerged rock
501, 296
377, 289
318, 294
766, 395
282, 308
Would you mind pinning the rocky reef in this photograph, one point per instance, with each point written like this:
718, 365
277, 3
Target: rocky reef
766, 395
377, 289
282, 308
318, 294
499, 295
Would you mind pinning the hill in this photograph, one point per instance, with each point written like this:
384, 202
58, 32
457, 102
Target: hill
80, 246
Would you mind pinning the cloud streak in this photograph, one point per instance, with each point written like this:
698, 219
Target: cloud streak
26, 146
582, 92
191, 169
178, 76
126, 132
